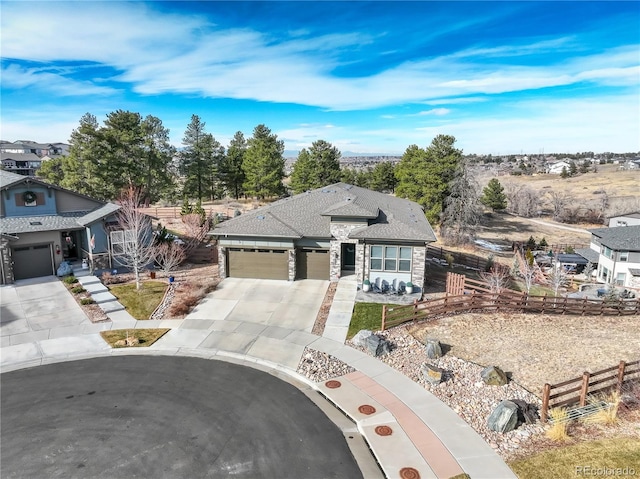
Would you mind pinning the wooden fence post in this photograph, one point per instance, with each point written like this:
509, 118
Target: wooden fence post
585, 388
621, 367
415, 309
384, 315
546, 392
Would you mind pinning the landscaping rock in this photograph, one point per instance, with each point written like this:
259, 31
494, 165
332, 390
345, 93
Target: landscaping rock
377, 345
527, 413
360, 339
431, 373
494, 376
504, 417
433, 348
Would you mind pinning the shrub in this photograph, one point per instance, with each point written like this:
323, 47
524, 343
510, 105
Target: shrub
77, 290
558, 430
183, 305
490, 263
448, 257
70, 279
85, 301
607, 415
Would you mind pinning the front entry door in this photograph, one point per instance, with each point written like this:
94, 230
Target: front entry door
348, 257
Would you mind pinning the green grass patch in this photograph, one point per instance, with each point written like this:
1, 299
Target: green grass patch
365, 316
145, 337
140, 303
612, 454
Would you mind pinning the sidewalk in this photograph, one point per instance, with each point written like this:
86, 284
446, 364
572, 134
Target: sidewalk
409, 431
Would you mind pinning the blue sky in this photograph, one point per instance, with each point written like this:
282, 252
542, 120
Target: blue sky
502, 77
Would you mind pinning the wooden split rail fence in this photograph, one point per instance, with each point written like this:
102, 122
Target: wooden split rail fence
504, 301
578, 389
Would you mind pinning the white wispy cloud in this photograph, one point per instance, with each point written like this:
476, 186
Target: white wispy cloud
434, 111
15, 76
159, 52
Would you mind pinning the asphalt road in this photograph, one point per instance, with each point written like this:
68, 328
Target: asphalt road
164, 417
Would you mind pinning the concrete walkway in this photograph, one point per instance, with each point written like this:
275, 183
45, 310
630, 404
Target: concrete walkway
408, 429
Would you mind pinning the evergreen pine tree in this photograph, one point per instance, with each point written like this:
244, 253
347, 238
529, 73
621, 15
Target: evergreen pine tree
493, 196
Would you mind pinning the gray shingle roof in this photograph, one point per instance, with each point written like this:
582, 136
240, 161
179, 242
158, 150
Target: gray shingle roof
588, 254
309, 215
60, 222
7, 178
19, 156
620, 238
98, 214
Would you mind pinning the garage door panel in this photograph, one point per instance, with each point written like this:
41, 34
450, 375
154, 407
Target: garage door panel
263, 264
313, 264
32, 261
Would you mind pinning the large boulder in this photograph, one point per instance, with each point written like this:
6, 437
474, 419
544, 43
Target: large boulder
504, 417
433, 348
377, 345
360, 339
494, 376
527, 413
431, 373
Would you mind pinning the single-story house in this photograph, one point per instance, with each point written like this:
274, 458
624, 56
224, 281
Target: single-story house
42, 225
557, 167
619, 255
325, 233
629, 219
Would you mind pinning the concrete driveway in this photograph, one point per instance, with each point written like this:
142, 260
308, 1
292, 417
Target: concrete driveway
287, 304
30, 309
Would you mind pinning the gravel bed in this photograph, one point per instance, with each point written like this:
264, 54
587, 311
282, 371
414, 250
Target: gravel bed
319, 366
162, 309
463, 390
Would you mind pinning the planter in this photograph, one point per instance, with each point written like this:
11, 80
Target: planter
409, 288
366, 287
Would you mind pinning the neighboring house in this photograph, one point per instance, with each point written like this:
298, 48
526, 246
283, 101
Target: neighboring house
619, 255
21, 163
25, 157
556, 168
325, 233
630, 219
41, 225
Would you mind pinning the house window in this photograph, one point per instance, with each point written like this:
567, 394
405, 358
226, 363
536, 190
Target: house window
620, 279
623, 256
607, 253
604, 274
122, 241
390, 258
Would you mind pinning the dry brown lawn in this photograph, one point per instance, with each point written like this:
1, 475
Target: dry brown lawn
538, 349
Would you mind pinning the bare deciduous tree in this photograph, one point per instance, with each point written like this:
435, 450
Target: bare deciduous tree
559, 201
169, 256
528, 270
497, 278
132, 241
462, 208
196, 230
522, 200
557, 278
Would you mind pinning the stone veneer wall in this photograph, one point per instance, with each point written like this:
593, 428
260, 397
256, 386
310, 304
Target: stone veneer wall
7, 265
222, 262
418, 266
99, 261
340, 233
292, 264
